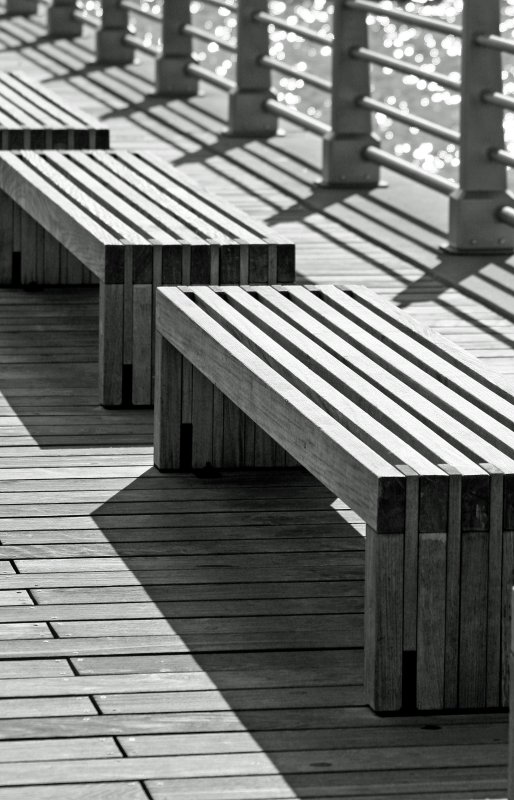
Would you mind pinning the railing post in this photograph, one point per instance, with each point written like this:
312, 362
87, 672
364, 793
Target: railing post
343, 149
474, 225
110, 47
61, 20
247, 114
171, 75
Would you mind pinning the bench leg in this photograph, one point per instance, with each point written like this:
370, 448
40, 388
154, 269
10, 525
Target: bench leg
6, 240
383, 625
111, 344
142, 327
168, 405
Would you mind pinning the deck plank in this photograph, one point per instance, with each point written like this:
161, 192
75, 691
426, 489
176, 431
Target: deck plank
215, 623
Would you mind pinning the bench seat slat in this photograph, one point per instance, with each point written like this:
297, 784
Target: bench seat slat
88, 205
175, 215
430, 338
255, 388
170, 180
411, 399
399, 362
23, 110
431, 362
371, 415
45, 106
33, 117
112, 204
50, 209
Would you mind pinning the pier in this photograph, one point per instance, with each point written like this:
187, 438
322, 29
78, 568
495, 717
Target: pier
200, 635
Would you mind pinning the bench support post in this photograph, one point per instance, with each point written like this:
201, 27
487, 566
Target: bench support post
247, 113
383, 620
171, 68
344, 163
168, 404
110, 47
474, 224
61, 20
111, 344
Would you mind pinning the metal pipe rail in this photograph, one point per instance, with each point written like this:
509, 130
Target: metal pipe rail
196, 32
299, 30
303, 120
416, 20
207, 75
397, 164
307, 77
373, 57
412, 120
135, 8
351, 156
221, 4
499, 99
496, 43
502, 157
87, 19
136, 42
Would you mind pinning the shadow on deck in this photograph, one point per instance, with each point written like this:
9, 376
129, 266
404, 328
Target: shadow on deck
205, 635
213, 627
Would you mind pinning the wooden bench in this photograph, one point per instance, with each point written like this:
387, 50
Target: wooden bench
33, 117
133, 222
406, 428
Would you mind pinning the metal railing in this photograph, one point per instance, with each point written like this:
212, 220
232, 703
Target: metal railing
481, 212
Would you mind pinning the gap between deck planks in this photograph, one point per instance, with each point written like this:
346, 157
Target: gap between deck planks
223, 638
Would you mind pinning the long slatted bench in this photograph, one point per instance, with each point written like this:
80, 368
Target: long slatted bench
134, 222
407, 429
33, 117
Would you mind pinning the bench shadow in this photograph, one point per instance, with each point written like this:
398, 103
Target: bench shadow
257, 581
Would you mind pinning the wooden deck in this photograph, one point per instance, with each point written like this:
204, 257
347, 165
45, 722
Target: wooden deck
200, 636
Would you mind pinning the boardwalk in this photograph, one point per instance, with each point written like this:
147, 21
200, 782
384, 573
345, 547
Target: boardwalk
200, 636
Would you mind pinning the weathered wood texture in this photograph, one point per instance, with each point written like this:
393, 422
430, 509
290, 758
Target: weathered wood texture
368, 401
134, 223
203, 633
31, 116
388, 240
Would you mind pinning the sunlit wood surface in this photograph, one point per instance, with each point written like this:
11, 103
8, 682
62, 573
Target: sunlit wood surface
200, 637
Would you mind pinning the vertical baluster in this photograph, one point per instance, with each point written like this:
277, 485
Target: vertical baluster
172, 78
110, 47
61, 20
343, 149
474, 225
247, 114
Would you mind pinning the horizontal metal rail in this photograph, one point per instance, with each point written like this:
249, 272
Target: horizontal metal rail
410, 170
210, 77
200, 33
506, 214
303, 120
135, 7
499, 99
300, 30
496, 43
502, 157
417, 20
220, 4
371, 56
307, 77
409, 119
139, 44
87, 19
